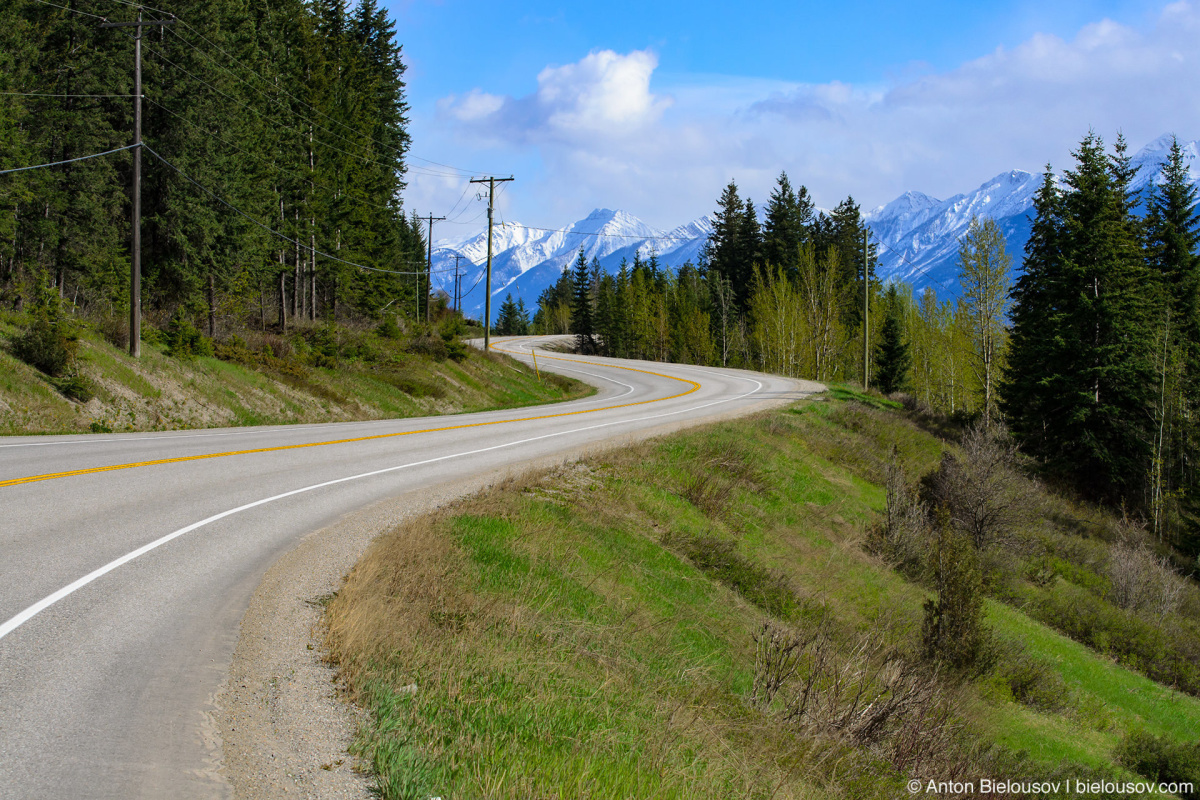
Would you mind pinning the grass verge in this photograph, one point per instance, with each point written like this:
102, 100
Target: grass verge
336, 377
602, 631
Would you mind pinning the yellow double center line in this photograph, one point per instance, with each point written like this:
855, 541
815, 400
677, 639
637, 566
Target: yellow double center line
49, 476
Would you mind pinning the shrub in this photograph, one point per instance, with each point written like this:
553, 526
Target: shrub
234, 349
115, 330
75, 385
388, 329
49, 344
184, 341
904, 536
323, 341
986, 497
954, 633
1142, 580
1030, 680
1161, 760
429, 346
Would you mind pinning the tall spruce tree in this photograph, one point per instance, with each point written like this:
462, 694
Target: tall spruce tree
1088, 381
1034, 386
735, 245
788, 215
582, 317
893, 361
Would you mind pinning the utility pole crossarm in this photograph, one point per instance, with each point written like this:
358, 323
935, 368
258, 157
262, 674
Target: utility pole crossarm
487, 296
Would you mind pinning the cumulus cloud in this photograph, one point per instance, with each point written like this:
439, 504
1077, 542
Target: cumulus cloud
604, 95
598, 126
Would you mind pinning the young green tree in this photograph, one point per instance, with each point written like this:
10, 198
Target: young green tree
506, 320
892, 357
954, 632
983, 273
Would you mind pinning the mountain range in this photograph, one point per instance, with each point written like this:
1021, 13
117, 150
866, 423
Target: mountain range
917, 236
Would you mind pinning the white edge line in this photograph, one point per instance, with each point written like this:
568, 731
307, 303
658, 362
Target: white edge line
20, 619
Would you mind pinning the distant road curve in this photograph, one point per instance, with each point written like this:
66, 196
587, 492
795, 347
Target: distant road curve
128, 561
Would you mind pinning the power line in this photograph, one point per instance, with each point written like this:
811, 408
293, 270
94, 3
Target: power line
460, 172
68, 161
275, 101
292, 128
264, 160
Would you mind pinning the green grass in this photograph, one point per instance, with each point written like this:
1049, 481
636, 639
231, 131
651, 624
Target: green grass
588, 632
1108, 699
157, 392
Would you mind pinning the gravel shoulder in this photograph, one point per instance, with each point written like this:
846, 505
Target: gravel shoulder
281, 727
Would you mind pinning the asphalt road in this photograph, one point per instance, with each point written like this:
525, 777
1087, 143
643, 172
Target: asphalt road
122, 582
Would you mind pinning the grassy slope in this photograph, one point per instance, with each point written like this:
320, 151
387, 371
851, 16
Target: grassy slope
158, 392
562, 646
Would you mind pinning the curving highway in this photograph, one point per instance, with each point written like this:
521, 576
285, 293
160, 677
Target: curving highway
127, 561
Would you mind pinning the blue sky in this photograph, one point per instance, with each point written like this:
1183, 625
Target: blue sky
652, 107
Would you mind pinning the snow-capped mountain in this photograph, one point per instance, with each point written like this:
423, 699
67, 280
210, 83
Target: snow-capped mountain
525, 260
917, 234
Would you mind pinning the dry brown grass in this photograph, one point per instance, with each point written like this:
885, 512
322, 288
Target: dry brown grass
404, 590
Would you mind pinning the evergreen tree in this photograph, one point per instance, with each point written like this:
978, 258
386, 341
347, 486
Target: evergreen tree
1079, 386
1034, 385
506, 321
892, 357
1107, 420
582, 322
521, 318
735, 245
788, 215
1172, 236
954, 632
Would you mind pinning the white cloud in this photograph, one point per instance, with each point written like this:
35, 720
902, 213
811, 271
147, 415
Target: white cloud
603, 96
604, 138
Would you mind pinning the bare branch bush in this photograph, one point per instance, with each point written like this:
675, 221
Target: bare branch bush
870, 696
987, 497
1142, 580
903, 537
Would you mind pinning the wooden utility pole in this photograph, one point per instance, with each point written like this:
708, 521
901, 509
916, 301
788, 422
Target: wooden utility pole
866, 309
487, 296
457, 300
135, 265
429, 263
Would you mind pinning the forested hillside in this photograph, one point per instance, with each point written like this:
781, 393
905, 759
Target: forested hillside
1092, 357
275, 154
